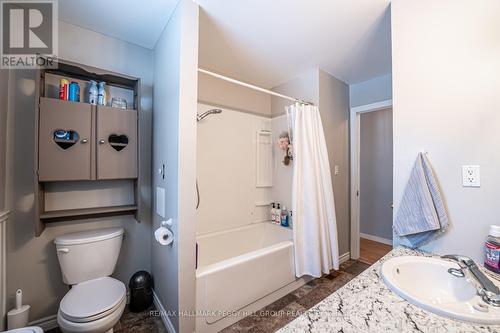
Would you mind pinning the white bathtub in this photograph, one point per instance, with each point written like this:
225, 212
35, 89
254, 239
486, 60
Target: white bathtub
239, 271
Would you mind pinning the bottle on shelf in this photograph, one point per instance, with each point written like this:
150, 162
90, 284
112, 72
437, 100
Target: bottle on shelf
284, 217
273, 211
93, 91
277, 218
101, 93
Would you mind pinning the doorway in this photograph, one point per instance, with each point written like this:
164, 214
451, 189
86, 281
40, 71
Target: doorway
371, 186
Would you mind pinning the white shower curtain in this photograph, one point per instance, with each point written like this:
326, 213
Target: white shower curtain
313, 206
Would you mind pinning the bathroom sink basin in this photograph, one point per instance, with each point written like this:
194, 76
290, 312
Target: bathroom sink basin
426, 283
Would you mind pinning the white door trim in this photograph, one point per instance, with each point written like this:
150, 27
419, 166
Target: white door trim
355, 116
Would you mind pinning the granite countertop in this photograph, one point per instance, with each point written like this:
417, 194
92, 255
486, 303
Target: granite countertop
365, 304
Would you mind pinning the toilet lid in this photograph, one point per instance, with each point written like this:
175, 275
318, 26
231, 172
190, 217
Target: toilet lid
91, 300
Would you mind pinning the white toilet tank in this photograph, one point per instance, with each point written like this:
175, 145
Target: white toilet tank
88, 255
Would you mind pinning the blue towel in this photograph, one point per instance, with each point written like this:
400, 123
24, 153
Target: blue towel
421, 213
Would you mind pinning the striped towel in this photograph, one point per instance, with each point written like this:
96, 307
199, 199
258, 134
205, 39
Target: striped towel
421, 212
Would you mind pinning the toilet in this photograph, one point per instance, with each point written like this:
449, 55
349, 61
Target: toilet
96, 301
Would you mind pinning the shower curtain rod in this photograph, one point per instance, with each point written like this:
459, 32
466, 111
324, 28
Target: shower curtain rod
251, 86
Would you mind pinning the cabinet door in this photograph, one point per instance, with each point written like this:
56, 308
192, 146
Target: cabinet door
64, 148
116, 143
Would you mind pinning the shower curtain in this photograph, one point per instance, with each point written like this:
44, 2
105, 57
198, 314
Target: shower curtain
313, 207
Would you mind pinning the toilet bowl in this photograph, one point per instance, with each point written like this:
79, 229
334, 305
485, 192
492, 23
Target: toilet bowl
93, 306
95, 302
30, 329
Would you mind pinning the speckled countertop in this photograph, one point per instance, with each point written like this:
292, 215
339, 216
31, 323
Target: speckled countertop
365, 304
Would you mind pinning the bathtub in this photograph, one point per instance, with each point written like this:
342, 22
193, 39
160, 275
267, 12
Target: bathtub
241, 270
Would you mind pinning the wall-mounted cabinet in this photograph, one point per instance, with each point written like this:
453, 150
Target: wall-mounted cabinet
92, 148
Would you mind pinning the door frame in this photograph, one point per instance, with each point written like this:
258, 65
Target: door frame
355, 121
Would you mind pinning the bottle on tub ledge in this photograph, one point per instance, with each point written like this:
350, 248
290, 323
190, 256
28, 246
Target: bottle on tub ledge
277, 215
273, 211
284, 217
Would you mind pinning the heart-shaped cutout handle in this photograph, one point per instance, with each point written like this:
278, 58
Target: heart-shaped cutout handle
65, 139
118, 142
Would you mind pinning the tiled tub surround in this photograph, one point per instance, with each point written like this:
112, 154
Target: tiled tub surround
366, 304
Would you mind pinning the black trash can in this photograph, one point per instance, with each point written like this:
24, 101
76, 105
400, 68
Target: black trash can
141, 292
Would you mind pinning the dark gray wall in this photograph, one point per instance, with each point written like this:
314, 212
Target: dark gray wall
376, 173
4, 85
32, 262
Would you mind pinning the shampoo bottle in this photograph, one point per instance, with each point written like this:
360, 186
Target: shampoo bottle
277, 218
284, 217
273, 212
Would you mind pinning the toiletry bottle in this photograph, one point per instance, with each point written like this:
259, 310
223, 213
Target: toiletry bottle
284, 217
93, 92
277, 218
273, 212
101, 94
492, 249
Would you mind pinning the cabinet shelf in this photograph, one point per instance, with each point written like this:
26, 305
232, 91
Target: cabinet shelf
90, 104
84, 213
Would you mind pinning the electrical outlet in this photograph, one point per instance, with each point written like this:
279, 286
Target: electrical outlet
471, 176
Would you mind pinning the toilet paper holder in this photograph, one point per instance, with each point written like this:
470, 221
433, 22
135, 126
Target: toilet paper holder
167, 224
164, 234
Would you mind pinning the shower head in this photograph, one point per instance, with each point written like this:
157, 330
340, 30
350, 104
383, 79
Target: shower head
207, 113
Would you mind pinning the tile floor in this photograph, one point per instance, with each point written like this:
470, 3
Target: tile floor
270, 318
130, 322
278, 314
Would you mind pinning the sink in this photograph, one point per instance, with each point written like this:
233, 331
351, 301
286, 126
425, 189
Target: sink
426, 283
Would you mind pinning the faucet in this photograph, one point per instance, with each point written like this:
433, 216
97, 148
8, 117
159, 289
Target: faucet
488, 291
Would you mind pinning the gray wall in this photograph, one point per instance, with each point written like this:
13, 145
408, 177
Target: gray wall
374, 90
4, 90
174, 144
376, 173
217, 92
446, 101
32, 262
334, 109
332, 97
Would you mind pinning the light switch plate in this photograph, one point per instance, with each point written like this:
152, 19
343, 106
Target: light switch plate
471, 176
160, 201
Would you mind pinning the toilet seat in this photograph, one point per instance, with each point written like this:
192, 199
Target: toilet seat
92, 300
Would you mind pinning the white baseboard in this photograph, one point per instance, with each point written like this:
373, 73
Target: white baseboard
376, 238
47, 323
343, 258
163, 314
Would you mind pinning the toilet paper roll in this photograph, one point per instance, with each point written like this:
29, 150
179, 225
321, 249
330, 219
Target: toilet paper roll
164, 236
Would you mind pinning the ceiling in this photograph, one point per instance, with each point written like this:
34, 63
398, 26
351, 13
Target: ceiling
138, 22
268, 42
264, 42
